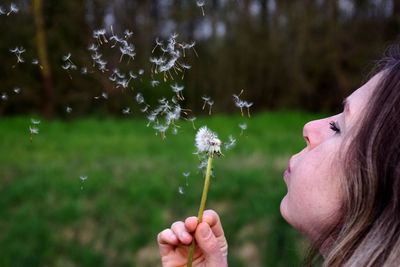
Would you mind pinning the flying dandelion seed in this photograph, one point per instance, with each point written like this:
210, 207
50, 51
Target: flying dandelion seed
83, 178
192, 119
206, 99
17, 90
243, 127
177, 89
126, 111
139, 98
33, 130
13, 9
201, 3
186, 175
181, 190
104, 95
2, 11
84, 70
248, 105
18, 51
210, 103
4, 96
231, 143
35, 122
154, 83
241, 103
68, 109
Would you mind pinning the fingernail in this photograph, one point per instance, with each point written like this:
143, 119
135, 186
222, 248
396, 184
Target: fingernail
205, 232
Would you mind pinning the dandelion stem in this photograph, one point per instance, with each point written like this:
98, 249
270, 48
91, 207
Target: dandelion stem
202, 206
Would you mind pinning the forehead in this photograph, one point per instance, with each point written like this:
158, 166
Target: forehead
358, 100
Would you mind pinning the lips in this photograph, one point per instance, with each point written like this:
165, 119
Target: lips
287, 172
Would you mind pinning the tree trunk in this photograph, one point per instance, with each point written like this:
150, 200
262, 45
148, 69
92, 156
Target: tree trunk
48, 92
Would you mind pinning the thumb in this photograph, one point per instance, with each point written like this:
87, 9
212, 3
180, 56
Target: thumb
209, 245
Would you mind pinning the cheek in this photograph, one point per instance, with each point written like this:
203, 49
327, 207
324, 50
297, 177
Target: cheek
313, 191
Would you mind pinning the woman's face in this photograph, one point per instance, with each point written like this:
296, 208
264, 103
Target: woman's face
313, 176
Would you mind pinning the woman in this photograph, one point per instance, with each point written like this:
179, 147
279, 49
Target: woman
343, 187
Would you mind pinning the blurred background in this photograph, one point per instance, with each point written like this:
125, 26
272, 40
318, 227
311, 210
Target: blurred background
86, 179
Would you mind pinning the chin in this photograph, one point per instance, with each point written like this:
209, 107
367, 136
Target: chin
284, 209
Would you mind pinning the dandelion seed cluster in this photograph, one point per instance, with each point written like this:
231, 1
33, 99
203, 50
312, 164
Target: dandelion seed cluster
207, 142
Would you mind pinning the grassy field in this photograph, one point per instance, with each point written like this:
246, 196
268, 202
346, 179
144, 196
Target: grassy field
49, 217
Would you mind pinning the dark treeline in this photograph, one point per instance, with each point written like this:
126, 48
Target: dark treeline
285, 54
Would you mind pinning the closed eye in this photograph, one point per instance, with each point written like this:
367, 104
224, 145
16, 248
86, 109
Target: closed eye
334, 126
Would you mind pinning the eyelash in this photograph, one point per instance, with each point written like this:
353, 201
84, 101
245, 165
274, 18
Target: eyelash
334, 126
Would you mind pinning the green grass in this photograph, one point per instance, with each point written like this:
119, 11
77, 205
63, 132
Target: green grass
48, 217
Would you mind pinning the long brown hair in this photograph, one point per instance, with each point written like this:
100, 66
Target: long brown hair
368, 231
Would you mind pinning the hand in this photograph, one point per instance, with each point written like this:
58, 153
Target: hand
211, 247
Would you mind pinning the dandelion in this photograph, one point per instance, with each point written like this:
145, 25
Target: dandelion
207, 143
201, 3
13, 9
243, 127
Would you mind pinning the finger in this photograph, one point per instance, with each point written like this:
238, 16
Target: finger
167, 241
191, 223
208, 243
212, 218
181, 232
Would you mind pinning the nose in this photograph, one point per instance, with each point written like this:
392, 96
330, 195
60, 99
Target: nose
313, 133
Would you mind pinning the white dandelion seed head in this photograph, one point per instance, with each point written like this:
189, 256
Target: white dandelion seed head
207, 141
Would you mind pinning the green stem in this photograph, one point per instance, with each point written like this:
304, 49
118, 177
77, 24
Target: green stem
202, 207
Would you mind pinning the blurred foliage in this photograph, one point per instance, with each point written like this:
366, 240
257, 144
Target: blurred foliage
285, 54
50, 217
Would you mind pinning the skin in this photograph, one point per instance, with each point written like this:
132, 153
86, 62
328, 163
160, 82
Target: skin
313, 190
314, 194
